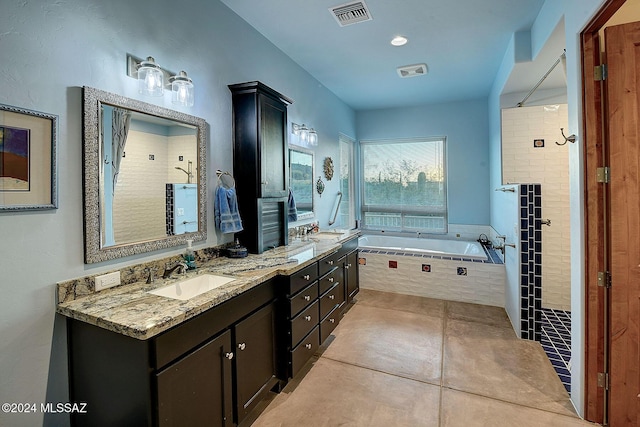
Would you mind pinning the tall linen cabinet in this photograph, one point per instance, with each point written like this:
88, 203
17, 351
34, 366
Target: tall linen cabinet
261, 164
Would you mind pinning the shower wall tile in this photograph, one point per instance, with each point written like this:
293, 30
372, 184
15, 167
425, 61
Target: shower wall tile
549, 166
530, 261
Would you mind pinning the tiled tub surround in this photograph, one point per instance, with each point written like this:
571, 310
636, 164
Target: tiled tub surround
130, 310
434, 276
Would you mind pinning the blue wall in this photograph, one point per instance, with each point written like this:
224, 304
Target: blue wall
465, 124
49, 51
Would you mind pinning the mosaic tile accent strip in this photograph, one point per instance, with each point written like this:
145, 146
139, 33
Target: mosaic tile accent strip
556, 342
492, 255
169, 216
530, 261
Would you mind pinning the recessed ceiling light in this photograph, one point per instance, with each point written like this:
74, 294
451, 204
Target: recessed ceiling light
399, 41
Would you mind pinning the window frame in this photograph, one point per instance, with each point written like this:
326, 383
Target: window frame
405, 211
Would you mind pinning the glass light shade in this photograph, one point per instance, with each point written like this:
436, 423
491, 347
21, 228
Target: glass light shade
182, 92
150, 78
304, 134
313, 137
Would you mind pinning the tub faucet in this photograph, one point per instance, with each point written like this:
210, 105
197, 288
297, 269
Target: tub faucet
169, 270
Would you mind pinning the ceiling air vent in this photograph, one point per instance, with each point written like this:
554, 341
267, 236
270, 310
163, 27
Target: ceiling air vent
412, 70
351, 13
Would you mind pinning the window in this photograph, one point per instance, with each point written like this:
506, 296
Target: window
404, 185
346, 214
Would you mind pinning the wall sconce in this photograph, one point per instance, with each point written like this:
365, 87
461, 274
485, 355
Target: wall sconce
305, 135
153, 79
182, 90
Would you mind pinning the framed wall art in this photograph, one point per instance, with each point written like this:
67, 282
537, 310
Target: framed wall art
27, 159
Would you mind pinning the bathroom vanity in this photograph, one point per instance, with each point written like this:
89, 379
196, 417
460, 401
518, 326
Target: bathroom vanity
139, 359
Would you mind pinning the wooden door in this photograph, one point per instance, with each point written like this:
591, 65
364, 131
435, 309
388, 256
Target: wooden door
623, 130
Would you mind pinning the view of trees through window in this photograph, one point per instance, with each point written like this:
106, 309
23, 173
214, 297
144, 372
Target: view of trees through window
404, 185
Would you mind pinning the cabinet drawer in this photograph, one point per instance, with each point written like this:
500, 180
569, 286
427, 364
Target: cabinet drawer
302, 278
303, 299
329, 324
327, 263
303, 323
301, 354
327, 281
331, 299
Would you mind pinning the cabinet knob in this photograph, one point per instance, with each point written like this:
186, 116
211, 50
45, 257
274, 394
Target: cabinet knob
265, 182
332, 320
346, 267
307, 297
228, 355
307, 318
349, 265
332, 297
306, 277
242, 346
308, 346
330, 262
331, 279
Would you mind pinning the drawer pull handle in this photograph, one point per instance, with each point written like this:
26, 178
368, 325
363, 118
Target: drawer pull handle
331, 279
332, 297
306, 277
307, 297
228, 355
307, 318
332, 320
308, 346
330, 262
242, 346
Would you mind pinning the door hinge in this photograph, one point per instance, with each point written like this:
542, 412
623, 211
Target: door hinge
603, 380
603, 174
604, 279
600, 72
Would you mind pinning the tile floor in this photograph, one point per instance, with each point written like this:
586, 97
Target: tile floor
397, 360
556, 342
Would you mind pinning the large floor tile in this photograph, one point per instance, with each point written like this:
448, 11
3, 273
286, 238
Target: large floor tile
393, 301
490, 361
477, 313
469, 410
338, 394
396, 342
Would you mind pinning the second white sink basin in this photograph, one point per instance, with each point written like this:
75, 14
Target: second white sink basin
187, 289
326, 235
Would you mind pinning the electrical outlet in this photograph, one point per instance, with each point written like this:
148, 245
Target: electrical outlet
107, 280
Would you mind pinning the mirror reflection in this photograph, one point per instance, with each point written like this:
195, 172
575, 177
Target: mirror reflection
144, 177
301, 181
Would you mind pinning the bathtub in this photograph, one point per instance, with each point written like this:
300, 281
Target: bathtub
453, 270
442, 247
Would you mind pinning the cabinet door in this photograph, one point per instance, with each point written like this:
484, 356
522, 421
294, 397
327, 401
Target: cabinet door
256, 358
273, 148
196, 390
351, 275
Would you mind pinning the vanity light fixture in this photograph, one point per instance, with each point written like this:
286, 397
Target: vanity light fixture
306, 136
182, 89
313, 137
153, 79
150, 78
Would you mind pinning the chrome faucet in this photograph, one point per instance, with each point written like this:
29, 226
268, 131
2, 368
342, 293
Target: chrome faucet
169, 270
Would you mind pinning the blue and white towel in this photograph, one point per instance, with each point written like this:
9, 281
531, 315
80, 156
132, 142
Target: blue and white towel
226, 213
291, 205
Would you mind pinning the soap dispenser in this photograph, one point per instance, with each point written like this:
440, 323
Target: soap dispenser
189, 256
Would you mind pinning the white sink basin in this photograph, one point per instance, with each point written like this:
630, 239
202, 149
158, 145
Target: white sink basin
326, 235
195, 286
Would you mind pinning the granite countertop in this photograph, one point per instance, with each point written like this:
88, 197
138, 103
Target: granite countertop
130, 310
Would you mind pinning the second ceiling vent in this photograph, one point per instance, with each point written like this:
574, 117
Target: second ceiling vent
351, 13
412, 70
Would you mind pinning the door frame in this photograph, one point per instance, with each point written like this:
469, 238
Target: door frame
595, 208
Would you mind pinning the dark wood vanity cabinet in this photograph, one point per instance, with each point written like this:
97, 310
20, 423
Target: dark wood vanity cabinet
260, 164
211, 370
349, 264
